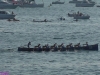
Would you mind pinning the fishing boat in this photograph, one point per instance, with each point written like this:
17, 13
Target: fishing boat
93, 47
58, 2
6, 15
79, 15
7, 5
85, 4
31, 4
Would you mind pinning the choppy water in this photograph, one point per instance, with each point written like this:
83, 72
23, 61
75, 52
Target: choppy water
15, 34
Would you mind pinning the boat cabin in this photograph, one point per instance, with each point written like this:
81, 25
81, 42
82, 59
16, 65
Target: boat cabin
4, 12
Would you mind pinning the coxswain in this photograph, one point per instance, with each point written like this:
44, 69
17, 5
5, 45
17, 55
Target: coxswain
29, 44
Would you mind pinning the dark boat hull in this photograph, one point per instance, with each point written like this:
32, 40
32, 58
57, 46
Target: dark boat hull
25, 49
41, 21
85, 48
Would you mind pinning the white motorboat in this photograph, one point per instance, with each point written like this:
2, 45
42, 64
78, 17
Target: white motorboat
58, 2
31, 4
85, 4
79, 15
6, 15
7, 5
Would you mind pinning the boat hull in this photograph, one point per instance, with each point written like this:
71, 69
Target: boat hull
84, 5
8, 6
58, 2
6, 16
25, 49
41, 21
32, 5
81, 17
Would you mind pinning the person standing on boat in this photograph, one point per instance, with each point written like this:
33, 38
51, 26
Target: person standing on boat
12, 13
29, 44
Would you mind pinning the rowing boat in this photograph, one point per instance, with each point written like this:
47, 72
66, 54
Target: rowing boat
71, 48
41, 21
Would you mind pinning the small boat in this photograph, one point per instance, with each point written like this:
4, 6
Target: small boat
62, 48
58, 2
41, 21
6, 15
85, 4
79, 15
82, 17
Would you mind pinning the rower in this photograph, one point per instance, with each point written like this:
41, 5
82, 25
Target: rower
33, 20
69, 46
86, 44
77, 45
45, 20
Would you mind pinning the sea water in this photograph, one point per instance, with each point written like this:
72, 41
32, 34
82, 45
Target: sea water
19, 33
